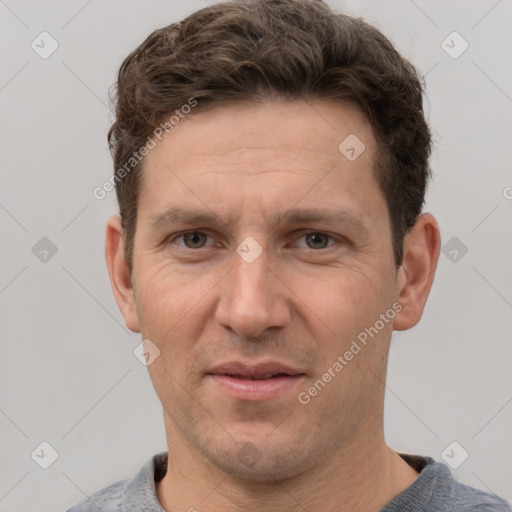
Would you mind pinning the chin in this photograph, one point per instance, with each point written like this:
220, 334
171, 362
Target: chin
260, 461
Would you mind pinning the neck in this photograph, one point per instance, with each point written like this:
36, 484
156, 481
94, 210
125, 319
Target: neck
362, 477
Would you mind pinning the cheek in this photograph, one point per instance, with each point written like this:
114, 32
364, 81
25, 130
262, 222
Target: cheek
164, 297
350, 308
168, 315
347, 300
173, 309
352, 343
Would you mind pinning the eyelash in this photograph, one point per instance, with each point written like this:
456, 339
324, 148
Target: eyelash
183, 233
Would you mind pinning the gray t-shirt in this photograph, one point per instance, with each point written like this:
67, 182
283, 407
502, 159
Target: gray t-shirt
434, 490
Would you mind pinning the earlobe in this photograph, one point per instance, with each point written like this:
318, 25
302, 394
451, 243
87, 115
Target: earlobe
119, 272
416, 274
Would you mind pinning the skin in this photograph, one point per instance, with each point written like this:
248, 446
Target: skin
302, 301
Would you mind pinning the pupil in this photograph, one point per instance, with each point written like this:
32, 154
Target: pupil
189, 237
315, 236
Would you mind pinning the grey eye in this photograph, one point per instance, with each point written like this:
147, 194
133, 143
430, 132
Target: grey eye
317, 240
195, 239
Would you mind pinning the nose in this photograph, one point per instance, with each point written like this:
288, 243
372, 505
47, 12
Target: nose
253, 298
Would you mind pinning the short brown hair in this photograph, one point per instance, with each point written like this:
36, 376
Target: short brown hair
247, 51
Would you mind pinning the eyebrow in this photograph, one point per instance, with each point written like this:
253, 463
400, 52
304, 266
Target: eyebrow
179, 215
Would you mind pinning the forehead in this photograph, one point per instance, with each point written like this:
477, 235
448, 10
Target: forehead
266, 156
318, 126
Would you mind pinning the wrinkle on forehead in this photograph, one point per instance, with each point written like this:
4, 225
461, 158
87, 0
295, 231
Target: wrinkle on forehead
250, 161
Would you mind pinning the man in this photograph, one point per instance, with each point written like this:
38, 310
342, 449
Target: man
244, 136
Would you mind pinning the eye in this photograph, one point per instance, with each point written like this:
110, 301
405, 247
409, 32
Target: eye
192, 239
317, 240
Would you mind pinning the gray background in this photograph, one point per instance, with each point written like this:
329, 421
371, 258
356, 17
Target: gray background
68, 373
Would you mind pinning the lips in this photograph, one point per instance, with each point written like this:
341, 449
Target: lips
259, 371
255, 382
258, 377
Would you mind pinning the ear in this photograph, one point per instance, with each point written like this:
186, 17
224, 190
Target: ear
119, 272
422, 245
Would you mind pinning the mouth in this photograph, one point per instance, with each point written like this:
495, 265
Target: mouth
256, 382
259, 377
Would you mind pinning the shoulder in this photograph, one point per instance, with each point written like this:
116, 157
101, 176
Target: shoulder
462, 497
137, 493
108, 499
474, 500
436, 490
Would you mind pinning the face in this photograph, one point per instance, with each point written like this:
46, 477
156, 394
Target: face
262, 257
